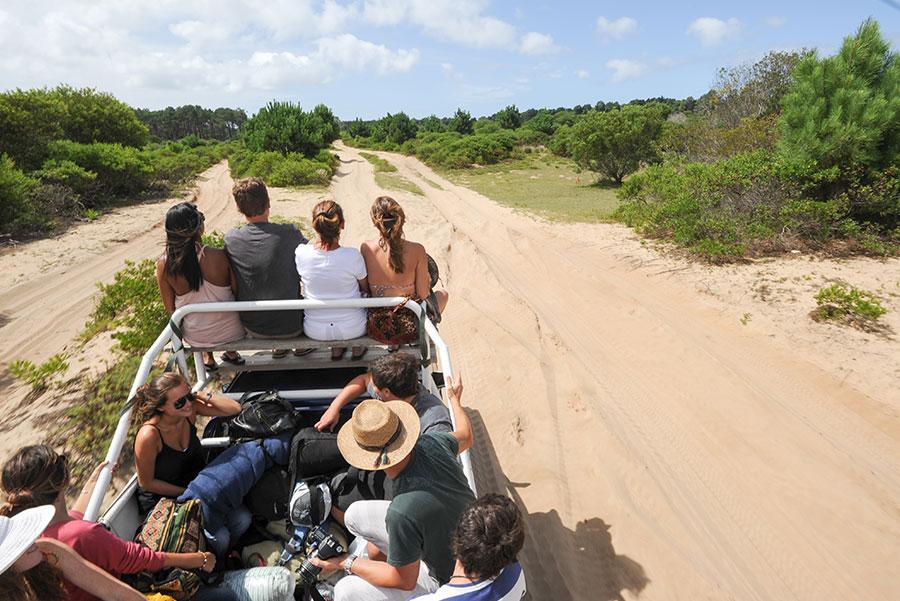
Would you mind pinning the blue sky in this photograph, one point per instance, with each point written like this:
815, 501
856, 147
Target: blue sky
368, 57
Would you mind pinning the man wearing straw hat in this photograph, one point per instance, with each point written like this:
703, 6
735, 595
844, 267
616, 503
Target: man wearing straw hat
409, 537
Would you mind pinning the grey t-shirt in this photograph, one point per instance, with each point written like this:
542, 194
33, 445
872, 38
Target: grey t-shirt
433, 414
262, 256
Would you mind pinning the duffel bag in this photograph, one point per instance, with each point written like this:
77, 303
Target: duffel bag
314, 454
263, 414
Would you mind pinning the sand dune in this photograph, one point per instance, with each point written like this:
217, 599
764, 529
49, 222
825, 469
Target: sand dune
661, 446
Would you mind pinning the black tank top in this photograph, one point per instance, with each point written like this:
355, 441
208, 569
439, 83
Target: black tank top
173, 466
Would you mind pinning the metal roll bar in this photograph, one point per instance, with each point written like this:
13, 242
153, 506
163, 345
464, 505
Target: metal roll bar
168, 335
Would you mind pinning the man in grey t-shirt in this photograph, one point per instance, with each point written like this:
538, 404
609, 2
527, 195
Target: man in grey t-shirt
262, 256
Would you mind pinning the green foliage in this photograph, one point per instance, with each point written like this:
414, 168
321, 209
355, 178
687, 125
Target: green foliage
432, 124
92, 214
462, 122
119, 170
617, 142
87, 425
15, 188
214, 239
395, 129
39, 376
542, 122
131, 306
358, 129
176, 162
192, 120
844, 303
381, 166
92, 116
67, 173
561, 142
508, 118
486, 125
699, 139
293, 169
286, 128
29, 121
845, 109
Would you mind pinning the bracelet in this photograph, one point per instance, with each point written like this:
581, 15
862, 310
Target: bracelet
348, 564
205, 560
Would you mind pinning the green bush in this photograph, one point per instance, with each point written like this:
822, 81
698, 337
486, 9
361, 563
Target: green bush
286, 128
120, 170
29, 121
39, 376
92, 116
67, 173
15, 188
131, 306
845, 303
276, 169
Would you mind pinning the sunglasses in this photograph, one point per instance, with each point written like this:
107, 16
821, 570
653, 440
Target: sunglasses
182, 401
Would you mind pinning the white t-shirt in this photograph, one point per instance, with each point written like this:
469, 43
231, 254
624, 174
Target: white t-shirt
331, 275
509, 585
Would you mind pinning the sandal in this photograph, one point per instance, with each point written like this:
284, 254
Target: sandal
359, 353
337, 353
211, 366
300, 352
279, 353
233, 357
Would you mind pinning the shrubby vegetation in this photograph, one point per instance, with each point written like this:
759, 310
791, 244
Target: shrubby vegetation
193, 121
846, 304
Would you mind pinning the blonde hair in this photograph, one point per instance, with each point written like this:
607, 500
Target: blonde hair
388, 217
327, 219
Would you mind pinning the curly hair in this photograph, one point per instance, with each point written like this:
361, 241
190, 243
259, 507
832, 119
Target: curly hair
149, 398
489, 535
388, 217
41, 583
327, 219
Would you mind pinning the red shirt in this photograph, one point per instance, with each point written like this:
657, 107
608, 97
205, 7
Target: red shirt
104, 549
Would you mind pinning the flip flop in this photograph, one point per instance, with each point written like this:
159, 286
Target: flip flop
211, 366
233, 360
338, 353
303, 351
357, 357
279, 353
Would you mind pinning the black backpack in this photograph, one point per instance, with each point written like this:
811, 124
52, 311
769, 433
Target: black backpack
263, 414
315, 454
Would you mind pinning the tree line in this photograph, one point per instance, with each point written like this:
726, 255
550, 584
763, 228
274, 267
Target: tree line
193, 120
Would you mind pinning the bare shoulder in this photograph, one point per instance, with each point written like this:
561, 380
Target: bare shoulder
368, 247
416, 249
146, 435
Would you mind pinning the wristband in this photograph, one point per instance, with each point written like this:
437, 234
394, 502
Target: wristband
348, 564
205, 560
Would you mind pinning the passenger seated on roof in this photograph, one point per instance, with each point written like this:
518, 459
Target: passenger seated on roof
409, 536
39, 569
397, 267
37, 474
330, 271
167, 452
487, 539
392, 377
190, 272
262, 258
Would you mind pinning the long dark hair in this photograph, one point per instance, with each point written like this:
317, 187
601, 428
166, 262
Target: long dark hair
149, 398
184, 223
388, 217
34, 476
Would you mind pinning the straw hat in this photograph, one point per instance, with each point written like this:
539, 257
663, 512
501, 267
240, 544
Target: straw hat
380, 434
19, 532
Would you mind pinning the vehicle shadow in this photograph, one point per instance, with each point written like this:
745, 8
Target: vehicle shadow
560, 563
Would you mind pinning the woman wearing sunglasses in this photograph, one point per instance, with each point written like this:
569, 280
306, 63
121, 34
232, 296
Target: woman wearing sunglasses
167, 451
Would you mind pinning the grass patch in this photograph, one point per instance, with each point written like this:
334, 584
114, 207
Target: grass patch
39, 376
300, 223
550, 186
381, 165
845, 304
431, 183
391, 181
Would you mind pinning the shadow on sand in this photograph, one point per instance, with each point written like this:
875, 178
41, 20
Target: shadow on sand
561, 564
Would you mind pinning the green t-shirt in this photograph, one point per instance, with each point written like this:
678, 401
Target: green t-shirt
429, 496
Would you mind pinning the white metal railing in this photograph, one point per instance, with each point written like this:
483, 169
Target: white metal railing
167, 335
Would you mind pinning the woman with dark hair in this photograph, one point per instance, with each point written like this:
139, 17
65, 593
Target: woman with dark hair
190, 272
329, 271
37, 476
397, 267
489, 536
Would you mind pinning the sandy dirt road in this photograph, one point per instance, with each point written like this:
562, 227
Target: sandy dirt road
660, 447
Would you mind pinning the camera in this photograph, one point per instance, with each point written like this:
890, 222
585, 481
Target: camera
322, 543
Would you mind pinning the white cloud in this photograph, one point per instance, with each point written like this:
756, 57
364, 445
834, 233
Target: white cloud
583, 74
776, 21
712, 31
615, 30
201, 34
666, 61
538, 43
625, 69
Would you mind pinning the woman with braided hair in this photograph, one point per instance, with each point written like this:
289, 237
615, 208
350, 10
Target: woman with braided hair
398, 267
190, 272
37, 476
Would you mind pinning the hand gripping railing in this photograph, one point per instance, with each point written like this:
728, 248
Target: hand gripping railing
167, 335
